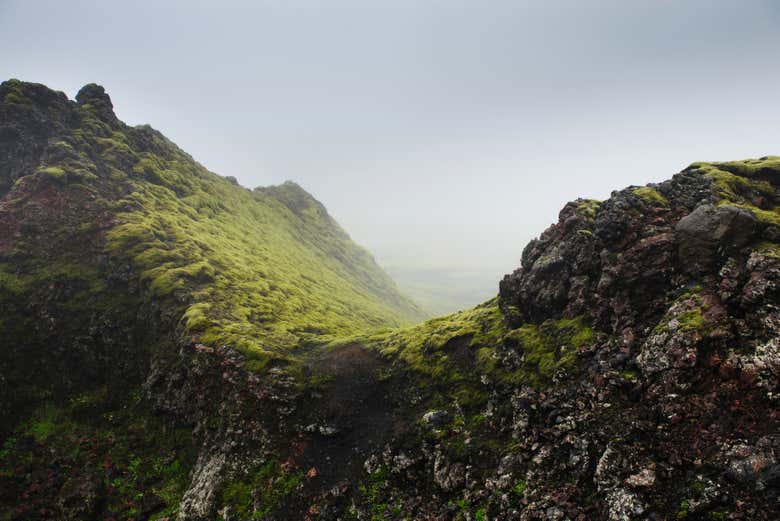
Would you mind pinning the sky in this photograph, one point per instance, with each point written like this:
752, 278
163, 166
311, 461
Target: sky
442, 134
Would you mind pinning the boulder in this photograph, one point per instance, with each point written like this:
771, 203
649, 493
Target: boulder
711, 231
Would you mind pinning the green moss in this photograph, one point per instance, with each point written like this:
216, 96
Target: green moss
768, 216
588, 207
691, 320
11, 282
749, 168
264, 271
15, 96
44, 423
519, 489
684, 509
692, 316
630, 374
552, 345
438, 348
52, 172
372, 492
742, 183
253, 273
12, 98
651, 196
424, 347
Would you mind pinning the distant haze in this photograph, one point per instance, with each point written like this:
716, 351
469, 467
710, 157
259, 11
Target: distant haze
442, 135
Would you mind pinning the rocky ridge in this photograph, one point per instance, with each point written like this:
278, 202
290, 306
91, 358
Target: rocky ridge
627, 370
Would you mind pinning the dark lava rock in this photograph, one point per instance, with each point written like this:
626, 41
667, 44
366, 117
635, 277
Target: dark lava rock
711, 231
95, 96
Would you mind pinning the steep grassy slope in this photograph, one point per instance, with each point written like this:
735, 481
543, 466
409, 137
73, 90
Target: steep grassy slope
263, 270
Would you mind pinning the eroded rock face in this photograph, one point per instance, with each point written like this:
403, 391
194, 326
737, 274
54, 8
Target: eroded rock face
683, 282
610, 260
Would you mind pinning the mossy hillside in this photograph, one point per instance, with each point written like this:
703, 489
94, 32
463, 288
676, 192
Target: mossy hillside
455, 350
247, 271
419, 346
264, 271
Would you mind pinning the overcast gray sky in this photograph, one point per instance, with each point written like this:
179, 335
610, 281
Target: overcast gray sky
440, 134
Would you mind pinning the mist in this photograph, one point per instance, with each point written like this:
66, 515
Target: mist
442, 135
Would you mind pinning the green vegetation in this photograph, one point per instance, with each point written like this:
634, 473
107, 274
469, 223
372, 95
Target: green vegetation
553, 344
245, 268
443, 350
52, 172
482, 325
588, 207
770, 216
44, 424
630, 374
465, 510
746, 184
120, 446
265, 271
373, 491
449, 349
15, 96
651, 196
683, 511
263, 492
691, 318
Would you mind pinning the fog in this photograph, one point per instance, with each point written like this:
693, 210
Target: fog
442, 135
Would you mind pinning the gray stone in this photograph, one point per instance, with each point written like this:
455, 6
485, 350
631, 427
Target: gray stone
709, 231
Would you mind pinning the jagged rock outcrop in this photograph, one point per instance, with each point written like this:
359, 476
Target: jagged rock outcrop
667, 408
